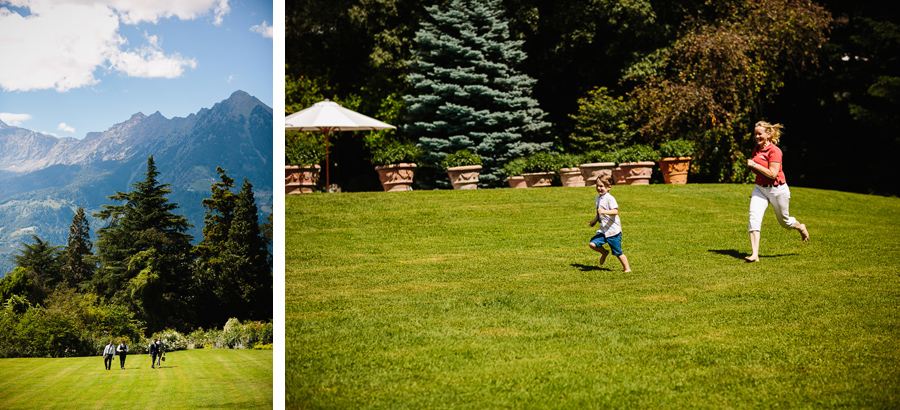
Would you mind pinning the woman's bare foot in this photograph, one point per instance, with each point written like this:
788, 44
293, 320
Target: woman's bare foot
804, 234
751, 258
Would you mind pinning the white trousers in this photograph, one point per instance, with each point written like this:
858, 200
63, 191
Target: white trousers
779, 197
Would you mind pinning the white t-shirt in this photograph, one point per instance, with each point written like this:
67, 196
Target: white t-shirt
609, 224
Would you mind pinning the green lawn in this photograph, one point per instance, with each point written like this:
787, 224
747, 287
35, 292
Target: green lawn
492, 299
192, 379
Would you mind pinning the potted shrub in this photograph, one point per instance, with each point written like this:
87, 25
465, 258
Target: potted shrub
513, 171
303, 151
595, 164
676, 160
396, 165
569, 173
636, 165
540, 169
462, 167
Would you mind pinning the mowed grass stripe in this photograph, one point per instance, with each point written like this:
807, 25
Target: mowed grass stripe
491, 299
193, 379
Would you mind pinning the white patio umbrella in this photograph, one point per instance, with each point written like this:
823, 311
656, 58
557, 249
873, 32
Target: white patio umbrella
328, 116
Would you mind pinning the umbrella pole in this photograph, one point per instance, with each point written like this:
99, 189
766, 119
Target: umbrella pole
327, 162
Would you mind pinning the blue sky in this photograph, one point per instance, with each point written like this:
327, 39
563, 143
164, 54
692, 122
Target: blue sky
70, 67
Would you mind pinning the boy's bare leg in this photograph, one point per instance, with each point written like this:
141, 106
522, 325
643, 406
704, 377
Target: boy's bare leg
624, 260
804, 234
754, 247
603, 252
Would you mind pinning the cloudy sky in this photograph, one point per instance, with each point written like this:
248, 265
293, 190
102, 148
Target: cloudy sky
70, 67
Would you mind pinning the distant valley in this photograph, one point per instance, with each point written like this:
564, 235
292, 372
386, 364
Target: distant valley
44, 179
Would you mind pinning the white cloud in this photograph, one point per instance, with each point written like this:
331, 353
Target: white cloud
14, 119
62, 43
230, 78
265, 29
59, 49
63, 127
150, 61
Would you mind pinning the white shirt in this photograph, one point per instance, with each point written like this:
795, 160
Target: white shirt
110, 349
609, 224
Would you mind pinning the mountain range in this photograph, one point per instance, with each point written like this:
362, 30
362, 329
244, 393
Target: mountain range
44, 179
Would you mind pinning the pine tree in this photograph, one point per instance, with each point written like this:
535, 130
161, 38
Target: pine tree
38, 266
78, 268
468, 92
247, 255
233, 268
144, 253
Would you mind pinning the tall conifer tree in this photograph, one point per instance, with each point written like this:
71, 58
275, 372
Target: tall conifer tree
144, 253
78, 268
233, 271
467, 92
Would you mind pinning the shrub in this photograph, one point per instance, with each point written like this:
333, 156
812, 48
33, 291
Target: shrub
514, 167
396, 152
568, 160
303, 148
676, 148
461, 158
637, 153
172, 340
542, 162
599, 156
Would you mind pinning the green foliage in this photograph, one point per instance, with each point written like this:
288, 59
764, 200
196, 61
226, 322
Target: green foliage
77, 258
396, 152
233, 276
67, 324
304, 148
676, 148
600, 156
144, 251
515, 167
542, 162
466, 91
234, 335
602, 122
569, 160
460, 158
637, 153
719, 72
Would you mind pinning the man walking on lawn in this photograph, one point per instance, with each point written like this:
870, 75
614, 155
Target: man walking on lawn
154, 351
108, 354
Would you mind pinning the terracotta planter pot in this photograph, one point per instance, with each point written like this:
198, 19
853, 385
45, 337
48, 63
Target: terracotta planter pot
517, 181
571, 177
538, 179
636, 173
464, 177
396, 177
590, 172
618, 176
300, 179
675, 170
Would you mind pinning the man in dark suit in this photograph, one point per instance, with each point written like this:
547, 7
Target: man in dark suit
154, 351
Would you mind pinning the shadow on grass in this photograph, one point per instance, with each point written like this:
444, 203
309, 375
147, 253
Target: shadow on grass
740, 255
588, 268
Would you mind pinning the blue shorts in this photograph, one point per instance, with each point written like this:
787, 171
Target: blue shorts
615, 242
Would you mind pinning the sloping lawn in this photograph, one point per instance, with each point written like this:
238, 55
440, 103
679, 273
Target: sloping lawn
492, 299
192, 379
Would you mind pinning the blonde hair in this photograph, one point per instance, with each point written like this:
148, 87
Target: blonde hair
605, 180
774, 131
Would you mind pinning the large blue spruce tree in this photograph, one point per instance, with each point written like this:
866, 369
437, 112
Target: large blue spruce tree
467, 92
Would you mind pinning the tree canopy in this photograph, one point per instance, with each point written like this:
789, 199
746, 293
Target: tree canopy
698, 69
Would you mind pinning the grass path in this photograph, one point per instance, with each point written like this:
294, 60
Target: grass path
492, 299
193, 379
